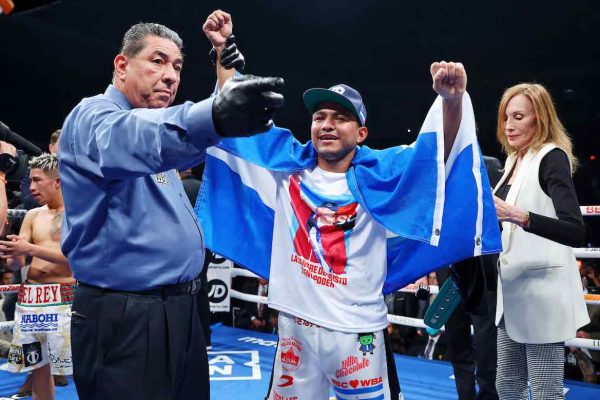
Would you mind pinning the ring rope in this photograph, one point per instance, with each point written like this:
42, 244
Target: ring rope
590, 211
592, 344
589, 298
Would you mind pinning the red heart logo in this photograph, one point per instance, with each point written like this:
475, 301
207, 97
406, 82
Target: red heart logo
354, 383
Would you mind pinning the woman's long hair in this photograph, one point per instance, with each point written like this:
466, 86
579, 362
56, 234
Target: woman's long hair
549, 127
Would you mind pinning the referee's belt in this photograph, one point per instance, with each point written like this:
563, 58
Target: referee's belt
192, 287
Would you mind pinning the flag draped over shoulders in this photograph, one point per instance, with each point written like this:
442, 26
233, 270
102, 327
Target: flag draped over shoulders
435, 213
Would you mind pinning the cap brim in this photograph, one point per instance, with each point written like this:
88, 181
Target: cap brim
314, 97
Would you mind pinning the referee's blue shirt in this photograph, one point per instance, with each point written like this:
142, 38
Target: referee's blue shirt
128, 223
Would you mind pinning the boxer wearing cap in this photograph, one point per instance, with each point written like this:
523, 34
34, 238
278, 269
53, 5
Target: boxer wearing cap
328, 252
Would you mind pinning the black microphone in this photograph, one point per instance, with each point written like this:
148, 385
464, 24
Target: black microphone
18, 141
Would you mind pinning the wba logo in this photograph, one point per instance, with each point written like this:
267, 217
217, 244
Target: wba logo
217, 291
355, 383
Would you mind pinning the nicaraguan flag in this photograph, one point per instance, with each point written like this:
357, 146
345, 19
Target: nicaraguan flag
436, 213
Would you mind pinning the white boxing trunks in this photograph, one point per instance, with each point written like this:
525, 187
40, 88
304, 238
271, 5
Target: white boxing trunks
42, 332
311, 359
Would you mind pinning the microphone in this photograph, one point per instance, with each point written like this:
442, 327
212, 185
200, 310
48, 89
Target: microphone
18, 141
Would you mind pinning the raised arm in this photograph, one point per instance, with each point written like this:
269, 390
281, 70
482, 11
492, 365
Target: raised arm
450, 82
218, 28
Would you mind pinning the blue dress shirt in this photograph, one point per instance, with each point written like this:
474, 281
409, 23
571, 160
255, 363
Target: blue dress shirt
128, 222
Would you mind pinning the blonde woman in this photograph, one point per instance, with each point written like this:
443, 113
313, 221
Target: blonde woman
540, 298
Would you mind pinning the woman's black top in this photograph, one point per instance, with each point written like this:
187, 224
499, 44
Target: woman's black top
555, 180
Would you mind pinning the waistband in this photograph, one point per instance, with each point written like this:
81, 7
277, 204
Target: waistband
46, 294
192, 287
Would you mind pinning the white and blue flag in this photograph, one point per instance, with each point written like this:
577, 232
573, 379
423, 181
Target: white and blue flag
435, 213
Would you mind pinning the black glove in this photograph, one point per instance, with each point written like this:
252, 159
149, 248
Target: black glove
246, 105
422, 292
231, 57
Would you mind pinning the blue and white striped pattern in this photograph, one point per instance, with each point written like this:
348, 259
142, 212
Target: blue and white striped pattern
363, 393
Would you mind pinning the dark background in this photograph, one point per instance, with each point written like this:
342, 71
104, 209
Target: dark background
52, 55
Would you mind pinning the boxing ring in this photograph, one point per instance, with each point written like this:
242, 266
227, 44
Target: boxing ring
241, 360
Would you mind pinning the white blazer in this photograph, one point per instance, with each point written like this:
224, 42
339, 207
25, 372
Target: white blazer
539, 288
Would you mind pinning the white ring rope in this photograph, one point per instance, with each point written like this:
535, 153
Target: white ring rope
589, 298
249, 297
9, 288
592, 344
590, 211
6, 326
587, 252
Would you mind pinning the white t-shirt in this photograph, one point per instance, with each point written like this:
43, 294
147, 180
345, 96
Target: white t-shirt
328, 260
